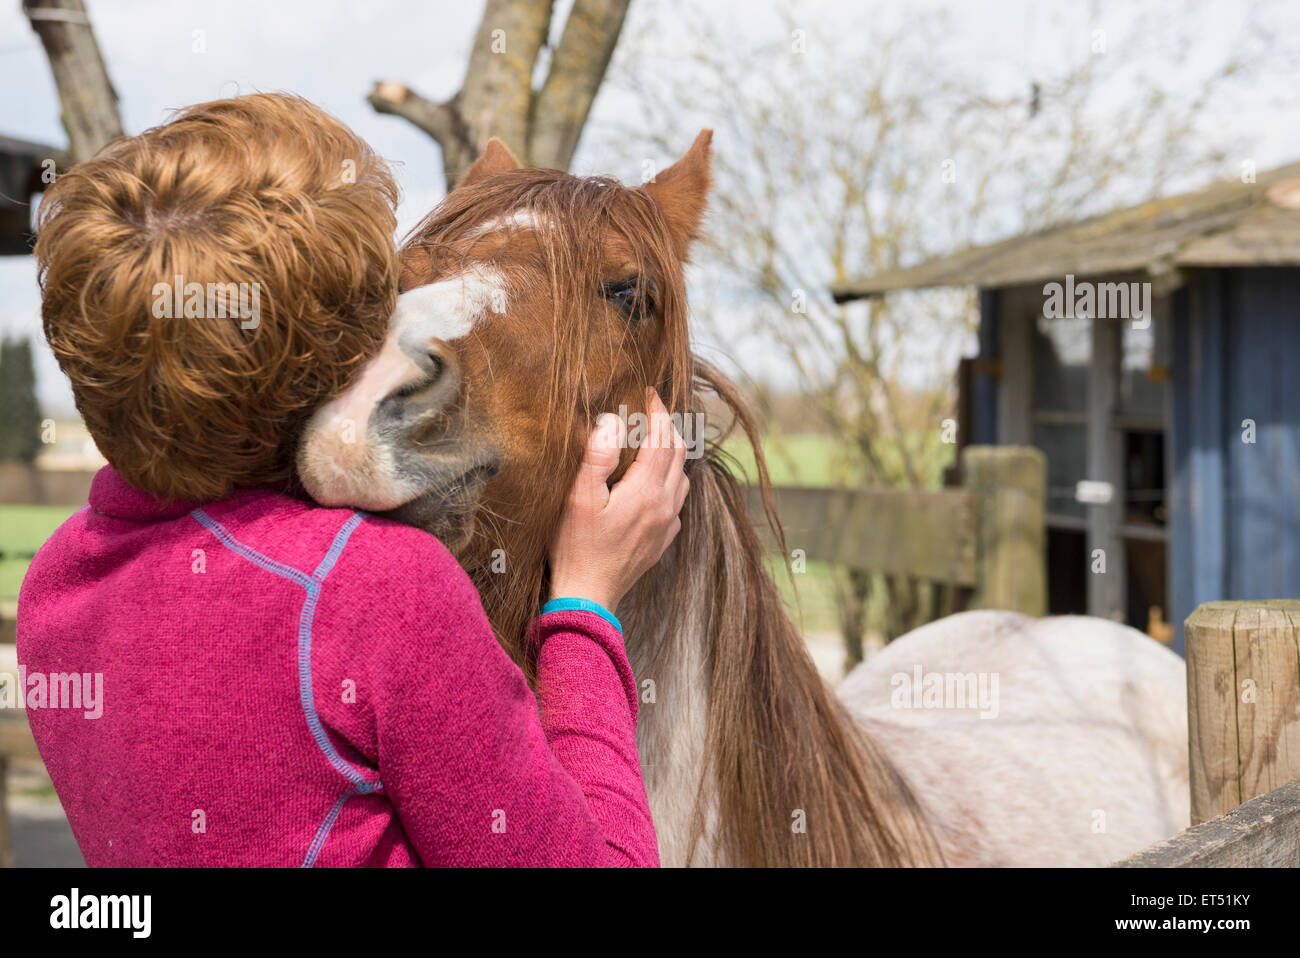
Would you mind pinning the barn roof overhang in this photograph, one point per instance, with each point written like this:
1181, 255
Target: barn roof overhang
1226, 224
22, 163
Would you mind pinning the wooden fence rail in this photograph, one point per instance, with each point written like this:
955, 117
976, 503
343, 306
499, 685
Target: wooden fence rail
989, 535
1261, 833
26, 485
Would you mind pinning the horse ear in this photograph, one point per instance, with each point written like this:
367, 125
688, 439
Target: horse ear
497, 158
682, 191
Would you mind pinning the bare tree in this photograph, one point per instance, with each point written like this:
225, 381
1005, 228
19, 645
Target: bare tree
86, 96
846, 149
497, 97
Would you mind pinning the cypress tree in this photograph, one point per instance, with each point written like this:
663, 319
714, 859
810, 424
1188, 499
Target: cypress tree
20, 413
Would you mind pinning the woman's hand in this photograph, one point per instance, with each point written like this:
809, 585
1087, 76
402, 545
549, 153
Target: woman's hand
609, 537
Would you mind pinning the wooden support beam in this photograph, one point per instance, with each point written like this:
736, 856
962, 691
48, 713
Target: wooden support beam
1107, 594
1016, 388
1243, 702
1009, 486
984, 382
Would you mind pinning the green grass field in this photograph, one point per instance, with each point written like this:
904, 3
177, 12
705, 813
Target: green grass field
810, 459
795, 460
22, 531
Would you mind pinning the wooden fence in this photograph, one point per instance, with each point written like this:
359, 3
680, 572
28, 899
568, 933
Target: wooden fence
1243, 729
1243, 658
988, 535
1261, 833
15, 742
26, 485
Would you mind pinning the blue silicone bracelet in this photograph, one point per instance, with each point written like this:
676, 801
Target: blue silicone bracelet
583, 605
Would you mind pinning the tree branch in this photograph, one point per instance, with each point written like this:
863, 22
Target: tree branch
440, 120
86, 96
496, 96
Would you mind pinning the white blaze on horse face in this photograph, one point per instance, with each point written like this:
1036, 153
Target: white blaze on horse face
518, 220
446, 310
340, 460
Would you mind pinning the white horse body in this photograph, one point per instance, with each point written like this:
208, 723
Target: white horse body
1084, 762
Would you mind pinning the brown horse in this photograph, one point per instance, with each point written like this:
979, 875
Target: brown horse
532, 302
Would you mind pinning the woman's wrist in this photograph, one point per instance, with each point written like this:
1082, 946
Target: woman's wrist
571, 589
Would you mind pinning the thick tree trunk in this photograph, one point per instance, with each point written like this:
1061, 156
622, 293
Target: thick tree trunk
497, 95
577, 69
497, 98
86, 96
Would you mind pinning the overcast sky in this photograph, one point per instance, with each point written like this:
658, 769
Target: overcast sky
331, 51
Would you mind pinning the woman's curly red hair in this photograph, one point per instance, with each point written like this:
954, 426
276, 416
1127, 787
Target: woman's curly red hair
265, 189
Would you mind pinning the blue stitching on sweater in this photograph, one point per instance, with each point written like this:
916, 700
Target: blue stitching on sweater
252, 555
323, 832
336, 548
312, 586
305, 691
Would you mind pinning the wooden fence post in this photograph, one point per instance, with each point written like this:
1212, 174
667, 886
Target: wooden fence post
15, 740
6, 833
1009, 486
1243, 702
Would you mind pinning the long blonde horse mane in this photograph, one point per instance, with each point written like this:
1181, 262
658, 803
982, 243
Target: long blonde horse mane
789, 777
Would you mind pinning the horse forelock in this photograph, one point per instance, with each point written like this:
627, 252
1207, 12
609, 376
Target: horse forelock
577, 222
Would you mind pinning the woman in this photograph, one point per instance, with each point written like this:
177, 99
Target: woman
219, 673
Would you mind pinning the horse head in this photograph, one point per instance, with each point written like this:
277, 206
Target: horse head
531, 302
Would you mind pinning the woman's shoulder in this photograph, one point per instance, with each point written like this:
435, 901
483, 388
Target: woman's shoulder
319, 537
394, 549
401, 586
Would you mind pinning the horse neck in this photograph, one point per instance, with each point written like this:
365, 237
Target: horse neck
749, 759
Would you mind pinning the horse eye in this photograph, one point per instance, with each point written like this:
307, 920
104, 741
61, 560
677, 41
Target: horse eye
630, 297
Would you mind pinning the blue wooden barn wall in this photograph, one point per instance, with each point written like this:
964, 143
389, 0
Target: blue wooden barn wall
1235, 506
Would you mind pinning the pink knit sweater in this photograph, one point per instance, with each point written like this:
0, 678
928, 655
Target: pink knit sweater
287, 685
